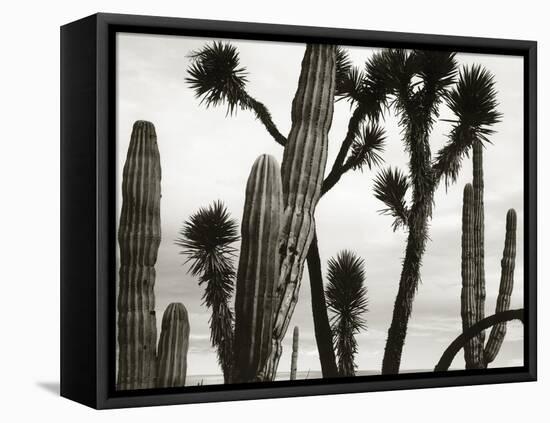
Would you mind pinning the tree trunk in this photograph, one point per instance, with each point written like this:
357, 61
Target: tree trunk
408, 284
323, 333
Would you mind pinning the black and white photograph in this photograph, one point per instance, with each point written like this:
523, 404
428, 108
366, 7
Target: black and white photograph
298, 211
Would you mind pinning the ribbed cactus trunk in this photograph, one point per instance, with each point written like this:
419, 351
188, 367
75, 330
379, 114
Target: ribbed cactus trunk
139, 239
173, 347
477, 360
294, 360
258, 271
468, 295
473, 291
302, 174
505, 289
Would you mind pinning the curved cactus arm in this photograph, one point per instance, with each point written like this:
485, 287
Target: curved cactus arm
258, 271
302, 172
139, 238
451, 351
173, 347
506, 286
294, 361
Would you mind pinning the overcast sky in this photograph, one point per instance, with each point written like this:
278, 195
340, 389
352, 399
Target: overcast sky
206, 156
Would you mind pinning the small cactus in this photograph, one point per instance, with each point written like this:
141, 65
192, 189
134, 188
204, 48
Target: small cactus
139, 239
258, 269
294, 362
302, 175
173, 346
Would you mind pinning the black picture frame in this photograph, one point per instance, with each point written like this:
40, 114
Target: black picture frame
88, 209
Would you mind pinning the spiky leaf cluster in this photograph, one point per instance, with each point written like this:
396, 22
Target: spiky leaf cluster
367, 147
473, 101
390, 187
217, 77
207, 239
346, 297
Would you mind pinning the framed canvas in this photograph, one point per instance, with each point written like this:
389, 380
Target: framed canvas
257, 211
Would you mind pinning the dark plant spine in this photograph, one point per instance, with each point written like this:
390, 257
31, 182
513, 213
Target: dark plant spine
173, 347
139, 238
302, 172
258, 271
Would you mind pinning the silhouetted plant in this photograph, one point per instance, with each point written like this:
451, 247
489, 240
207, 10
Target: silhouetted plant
417, 82
473, 102
347, 300
207, 239
362, 145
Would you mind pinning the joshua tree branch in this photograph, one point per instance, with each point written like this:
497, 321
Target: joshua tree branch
449, 354
339, 166
262, 113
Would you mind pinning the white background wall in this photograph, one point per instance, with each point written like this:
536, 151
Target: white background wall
29, 238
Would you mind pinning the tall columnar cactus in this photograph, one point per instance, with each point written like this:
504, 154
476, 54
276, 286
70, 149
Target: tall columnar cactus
302, 174
479, 253
139, 239
173, 346
258, 269
468, 297
294, 362
477, 354
506, 285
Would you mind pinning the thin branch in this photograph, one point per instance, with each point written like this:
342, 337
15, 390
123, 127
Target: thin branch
338, 168
262, 113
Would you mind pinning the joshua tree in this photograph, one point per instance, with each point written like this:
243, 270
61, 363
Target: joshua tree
417, 82
347, 300
207, 239
218, 78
